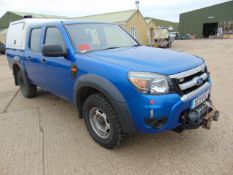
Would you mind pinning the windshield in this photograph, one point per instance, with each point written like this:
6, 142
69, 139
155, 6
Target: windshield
91, 37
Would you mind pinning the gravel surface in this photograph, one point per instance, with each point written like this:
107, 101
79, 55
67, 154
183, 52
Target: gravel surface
44, 136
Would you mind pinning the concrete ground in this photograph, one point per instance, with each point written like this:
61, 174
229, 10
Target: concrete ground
44, 136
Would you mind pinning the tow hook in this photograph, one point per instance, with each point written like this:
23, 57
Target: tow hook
200, 116
212, 114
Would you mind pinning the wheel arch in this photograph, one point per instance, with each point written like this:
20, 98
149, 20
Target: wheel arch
88, 84
16, 66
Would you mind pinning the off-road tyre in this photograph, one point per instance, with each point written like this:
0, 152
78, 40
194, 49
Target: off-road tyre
116, 134
28, 90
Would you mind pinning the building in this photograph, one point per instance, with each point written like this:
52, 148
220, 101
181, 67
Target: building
163, 23
131, 20
208, 21
153, 24
11, 16
3, 33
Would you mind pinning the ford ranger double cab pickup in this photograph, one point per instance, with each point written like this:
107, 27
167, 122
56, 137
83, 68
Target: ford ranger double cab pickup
118, 85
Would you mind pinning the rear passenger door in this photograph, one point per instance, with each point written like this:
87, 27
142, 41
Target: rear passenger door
33, 56
57, 70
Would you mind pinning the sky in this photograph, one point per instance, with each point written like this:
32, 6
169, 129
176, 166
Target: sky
161, 9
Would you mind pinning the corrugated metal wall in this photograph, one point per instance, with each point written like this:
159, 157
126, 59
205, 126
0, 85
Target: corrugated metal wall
7, 18
192, 22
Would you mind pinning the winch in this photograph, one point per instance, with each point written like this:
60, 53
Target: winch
200, 116
212, 114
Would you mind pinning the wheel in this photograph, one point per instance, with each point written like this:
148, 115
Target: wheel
28, 90
169, 45
101, 121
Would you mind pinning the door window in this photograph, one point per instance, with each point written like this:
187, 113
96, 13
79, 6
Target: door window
54, 37
35, 40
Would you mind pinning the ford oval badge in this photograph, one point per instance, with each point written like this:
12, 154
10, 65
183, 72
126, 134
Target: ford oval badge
199, 81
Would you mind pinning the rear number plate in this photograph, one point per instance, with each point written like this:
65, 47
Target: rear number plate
199, 100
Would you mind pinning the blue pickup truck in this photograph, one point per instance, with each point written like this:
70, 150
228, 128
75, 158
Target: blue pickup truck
117, 85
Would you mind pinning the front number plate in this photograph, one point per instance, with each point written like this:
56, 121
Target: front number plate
199, 100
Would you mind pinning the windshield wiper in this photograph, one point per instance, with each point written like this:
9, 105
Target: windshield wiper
136, 45
116, 47
108, 48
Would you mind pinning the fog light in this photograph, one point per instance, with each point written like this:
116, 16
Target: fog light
156, 123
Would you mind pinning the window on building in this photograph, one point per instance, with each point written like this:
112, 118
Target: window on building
54, 37
133, 32
35, 40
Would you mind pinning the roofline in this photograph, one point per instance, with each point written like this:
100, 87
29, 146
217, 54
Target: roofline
73, 21
137, 11
108, 14
133, 15
206, 7
11, 12
32, 13
39, 21
161, 20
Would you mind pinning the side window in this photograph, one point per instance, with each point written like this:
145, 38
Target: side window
54, 37
35, 40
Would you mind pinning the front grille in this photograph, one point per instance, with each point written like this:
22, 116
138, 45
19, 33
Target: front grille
187, 82
186, 91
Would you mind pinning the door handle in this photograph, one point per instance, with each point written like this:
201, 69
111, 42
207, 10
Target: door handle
43, 61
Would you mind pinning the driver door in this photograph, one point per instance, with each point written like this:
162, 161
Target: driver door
56, 71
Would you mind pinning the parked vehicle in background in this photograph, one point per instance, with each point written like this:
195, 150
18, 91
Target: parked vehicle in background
186, 36
162, 38
175, 35
2, 48
117, 85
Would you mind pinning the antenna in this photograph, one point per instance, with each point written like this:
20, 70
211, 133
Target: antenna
137, 3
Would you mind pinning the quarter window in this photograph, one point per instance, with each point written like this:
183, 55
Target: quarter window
54, 37
35, 40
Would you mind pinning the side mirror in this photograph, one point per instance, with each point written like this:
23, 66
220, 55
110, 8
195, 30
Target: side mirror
53, 51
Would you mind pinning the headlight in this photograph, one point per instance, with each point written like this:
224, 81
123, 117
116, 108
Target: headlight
151, 83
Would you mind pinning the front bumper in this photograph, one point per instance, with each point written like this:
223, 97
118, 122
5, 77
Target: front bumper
166, 108
203, 115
